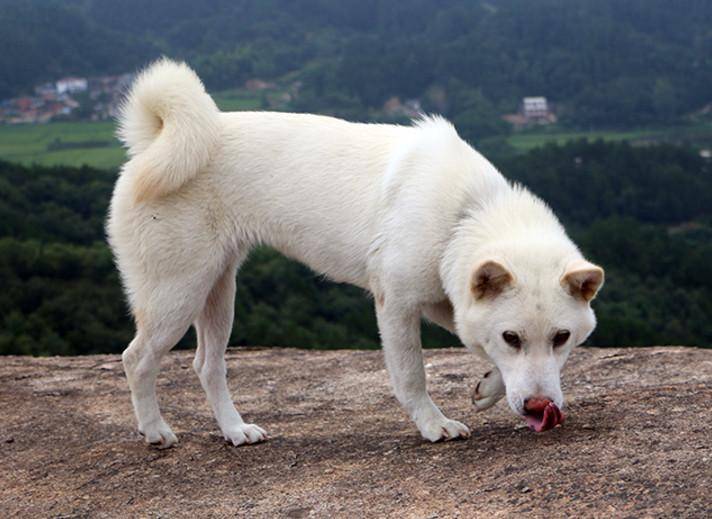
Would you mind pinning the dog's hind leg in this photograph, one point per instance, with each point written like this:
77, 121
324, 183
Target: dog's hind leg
213, 328
161, 320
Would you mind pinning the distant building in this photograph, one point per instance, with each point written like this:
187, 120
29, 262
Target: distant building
71, 85
48, 90
57, 99
410, 109
535, 108
532, 110
255, 84
25, 103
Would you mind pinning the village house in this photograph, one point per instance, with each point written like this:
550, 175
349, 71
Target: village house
409, 109
532, 111
58, 100
255, 85
106, 94
71, 85
535, 108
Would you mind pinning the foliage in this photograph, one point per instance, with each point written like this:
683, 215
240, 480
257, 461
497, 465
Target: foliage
61, 293
583, 180
643, 213
604, 63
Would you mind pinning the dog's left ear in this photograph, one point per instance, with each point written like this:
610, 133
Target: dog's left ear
582, 279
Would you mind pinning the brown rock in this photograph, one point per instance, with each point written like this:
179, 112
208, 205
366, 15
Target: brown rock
341, 446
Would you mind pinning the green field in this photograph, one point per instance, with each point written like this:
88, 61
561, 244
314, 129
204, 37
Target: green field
29, 143
88, 143
94, 143
238, 99
699, 134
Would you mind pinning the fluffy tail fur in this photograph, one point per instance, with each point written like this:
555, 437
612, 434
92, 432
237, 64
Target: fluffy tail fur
170, 126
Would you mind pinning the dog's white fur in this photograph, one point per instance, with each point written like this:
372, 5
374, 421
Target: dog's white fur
412, 214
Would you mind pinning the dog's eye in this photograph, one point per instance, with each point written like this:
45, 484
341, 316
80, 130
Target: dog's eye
561, 337
512, 339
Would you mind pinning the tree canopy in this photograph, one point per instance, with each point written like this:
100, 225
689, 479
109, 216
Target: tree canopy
603, 63
642, 213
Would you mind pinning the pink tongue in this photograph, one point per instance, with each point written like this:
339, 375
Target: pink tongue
548, 419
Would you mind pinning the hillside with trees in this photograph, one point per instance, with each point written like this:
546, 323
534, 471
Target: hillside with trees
603, 63
643, 213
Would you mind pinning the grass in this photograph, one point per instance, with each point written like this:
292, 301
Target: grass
238, 99
31, 143
698, 133
28, 144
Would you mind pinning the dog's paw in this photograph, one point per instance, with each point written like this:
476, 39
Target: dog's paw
443, 429
245, 433
158, 434
488, 391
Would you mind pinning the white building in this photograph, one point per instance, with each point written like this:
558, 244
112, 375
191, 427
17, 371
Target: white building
70, 85
535, 107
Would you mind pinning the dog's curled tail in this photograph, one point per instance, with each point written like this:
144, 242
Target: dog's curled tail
170, 126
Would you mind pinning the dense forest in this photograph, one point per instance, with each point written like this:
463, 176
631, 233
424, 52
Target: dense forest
604, 63
643, 213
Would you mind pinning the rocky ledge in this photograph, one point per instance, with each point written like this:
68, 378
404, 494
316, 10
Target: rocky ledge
636, 441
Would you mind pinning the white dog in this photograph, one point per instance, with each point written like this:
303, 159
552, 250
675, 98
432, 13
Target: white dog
412, 214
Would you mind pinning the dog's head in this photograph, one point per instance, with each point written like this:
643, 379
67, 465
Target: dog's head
527, 313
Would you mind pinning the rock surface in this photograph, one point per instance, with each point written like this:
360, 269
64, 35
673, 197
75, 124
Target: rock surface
636, 441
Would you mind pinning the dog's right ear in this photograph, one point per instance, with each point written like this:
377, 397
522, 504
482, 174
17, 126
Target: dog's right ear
490, 279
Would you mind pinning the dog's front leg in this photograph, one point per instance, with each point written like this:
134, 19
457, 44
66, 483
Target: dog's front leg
489, 390
400, 335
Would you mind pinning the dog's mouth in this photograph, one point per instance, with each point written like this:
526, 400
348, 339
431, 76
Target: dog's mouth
543, 415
